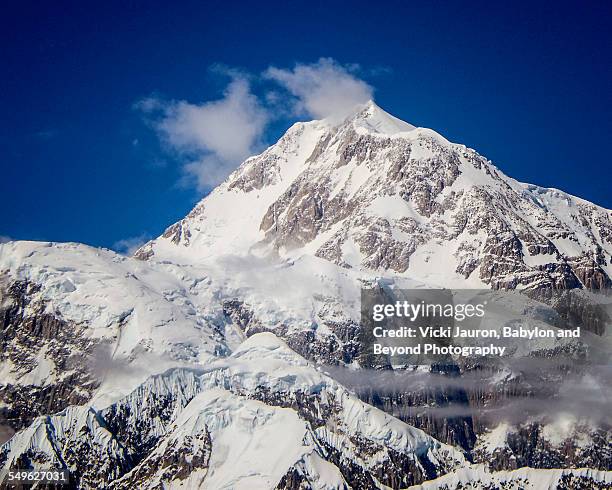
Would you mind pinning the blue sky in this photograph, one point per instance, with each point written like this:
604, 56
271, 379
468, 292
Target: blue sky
90, 135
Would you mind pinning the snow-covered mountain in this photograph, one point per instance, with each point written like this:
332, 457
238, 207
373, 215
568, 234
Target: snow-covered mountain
261, 418
200, 361
375, 193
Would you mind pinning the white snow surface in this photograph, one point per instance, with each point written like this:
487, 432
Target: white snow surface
475, 477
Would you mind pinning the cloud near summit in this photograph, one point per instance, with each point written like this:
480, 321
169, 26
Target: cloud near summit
212, 138
324, 89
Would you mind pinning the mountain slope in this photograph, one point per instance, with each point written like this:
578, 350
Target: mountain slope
379, 196
525, 479
261, 418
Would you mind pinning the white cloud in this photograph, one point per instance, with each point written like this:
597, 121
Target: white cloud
127, 246
213, 136
324, 89
5, 239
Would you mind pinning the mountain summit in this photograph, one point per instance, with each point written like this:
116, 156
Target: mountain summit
373, 119
377, 194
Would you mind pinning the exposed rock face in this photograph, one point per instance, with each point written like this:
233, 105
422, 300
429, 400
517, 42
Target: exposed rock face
31, 337
140, 419
456, 430
478, 477
341, 347
260, 175
177, 460
528, 446
75, 438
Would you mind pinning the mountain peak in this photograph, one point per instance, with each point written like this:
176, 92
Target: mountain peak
375, 193
374, 119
